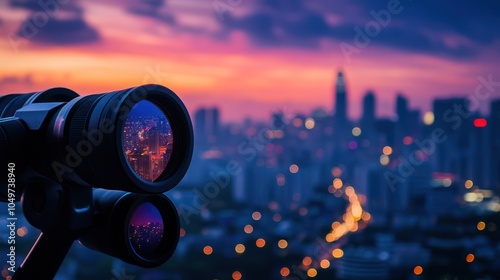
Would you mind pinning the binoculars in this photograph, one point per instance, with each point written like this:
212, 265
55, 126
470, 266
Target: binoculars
94, 169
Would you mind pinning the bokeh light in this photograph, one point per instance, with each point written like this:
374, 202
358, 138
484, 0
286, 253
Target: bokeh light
260, 242
285, 271
208, 250
428, 118
236, 275
309, 124
417, 270
248, 229
387, 150
337, 253
256, 215
356, 131
469, 184
481, 225
324, 264
312, 272
239, 248
282, 244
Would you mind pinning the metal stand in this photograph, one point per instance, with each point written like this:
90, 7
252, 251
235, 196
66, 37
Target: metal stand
60, 227
46, 256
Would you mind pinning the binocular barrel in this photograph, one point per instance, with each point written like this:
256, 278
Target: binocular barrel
99, 164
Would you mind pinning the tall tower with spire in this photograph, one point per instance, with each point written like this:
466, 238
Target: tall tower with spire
340, 98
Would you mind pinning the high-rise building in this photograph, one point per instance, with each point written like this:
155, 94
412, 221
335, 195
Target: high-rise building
206, 124
401, 107
369, 106
452, 116
141, 164
340, 98
368, 116
154, 140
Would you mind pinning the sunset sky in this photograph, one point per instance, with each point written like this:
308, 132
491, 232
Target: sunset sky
250, 57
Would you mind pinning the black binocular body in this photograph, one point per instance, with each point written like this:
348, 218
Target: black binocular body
94, 169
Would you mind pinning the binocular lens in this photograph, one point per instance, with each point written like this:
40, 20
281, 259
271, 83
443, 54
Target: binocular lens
146, 230
147, 140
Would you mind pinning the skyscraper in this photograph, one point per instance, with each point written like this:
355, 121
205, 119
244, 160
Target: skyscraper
340, 98
206, 121
154, 140
369, 107
452, 116
402, 108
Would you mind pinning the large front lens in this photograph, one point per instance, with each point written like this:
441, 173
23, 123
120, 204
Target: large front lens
147, 140
146, 230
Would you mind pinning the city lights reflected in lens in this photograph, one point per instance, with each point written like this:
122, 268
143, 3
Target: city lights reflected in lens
147, 140
146, 229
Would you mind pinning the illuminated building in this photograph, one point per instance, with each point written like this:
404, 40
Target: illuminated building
154, 140
141, 164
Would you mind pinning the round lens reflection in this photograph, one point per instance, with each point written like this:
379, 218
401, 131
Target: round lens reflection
146, 230
147, 140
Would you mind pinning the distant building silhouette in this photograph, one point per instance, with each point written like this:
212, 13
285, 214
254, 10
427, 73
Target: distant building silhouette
340, 98
369, 106
401, 107
452, 157
206, 124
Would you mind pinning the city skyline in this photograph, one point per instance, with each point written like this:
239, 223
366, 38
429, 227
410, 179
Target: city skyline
369, 104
